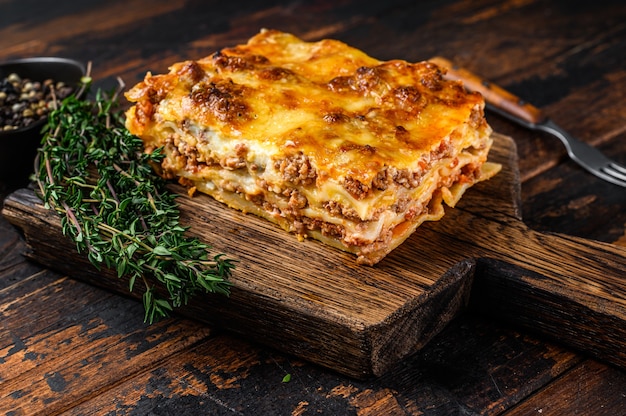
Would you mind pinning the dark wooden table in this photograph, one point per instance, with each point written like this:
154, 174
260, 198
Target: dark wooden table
70, 348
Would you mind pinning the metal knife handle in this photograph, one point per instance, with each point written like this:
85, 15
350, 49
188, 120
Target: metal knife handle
507, 103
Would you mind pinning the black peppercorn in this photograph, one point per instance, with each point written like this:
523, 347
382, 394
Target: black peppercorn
23, 101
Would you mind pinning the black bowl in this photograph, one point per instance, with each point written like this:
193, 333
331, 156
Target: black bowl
18, 147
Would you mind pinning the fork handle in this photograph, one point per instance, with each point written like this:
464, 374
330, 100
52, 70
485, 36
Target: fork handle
497, 96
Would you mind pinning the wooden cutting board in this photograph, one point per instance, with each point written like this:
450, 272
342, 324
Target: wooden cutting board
315, 302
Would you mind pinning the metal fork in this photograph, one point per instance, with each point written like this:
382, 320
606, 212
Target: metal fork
513, 108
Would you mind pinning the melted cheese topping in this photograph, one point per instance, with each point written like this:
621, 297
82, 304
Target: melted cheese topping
317, 136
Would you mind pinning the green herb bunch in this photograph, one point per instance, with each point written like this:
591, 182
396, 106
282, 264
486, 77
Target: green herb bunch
113, 205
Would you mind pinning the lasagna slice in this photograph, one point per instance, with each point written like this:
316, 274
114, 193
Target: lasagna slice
317, 137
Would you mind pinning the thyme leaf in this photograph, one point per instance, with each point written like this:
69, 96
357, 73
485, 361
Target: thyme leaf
117, 210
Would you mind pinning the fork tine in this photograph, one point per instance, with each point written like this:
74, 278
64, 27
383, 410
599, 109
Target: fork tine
611, 170
609, 175
618, 167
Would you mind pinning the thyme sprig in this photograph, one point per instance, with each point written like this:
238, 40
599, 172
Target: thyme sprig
94, 173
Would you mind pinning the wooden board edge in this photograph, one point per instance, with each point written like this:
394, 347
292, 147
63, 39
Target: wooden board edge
410, 328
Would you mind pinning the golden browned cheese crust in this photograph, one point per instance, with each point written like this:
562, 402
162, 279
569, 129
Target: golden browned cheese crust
318, 137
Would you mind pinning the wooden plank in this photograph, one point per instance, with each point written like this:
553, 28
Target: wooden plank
220, 376
317, 304
62, 341
580, 210
476, 367
591, 388
225, 375
13, 266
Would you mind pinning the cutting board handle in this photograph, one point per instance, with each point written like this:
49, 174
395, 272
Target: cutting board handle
567, 288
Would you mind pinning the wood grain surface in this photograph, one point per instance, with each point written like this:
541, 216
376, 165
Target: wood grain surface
567, 58
314, 302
